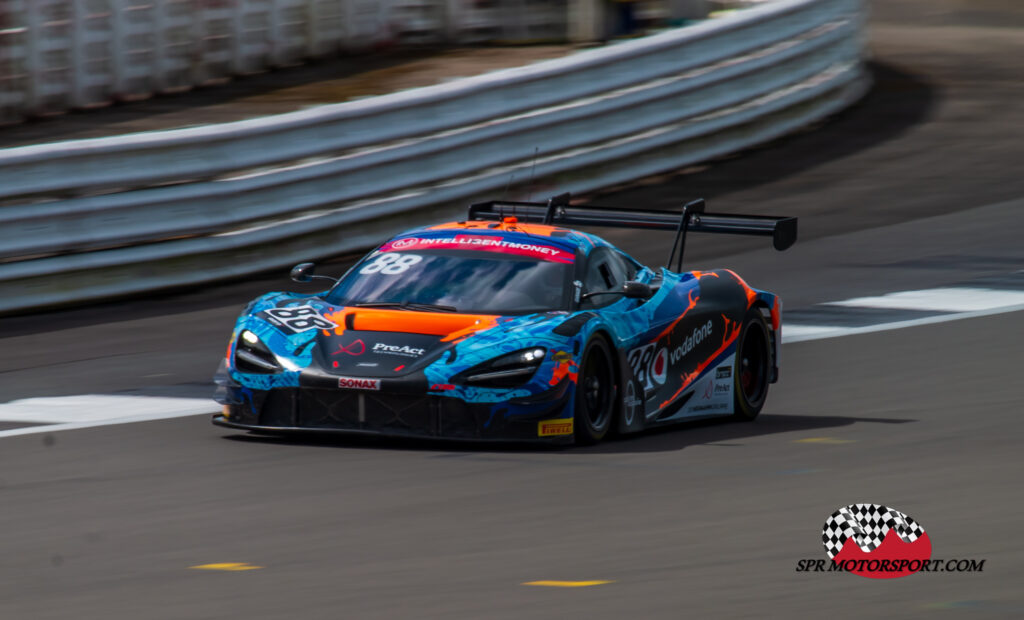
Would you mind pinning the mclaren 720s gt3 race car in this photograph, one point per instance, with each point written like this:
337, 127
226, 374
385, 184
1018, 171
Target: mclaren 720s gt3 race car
510, 326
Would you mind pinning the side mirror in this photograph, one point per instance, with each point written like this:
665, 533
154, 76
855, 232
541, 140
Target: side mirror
636, 290
303, 272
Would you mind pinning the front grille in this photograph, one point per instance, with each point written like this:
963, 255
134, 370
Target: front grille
278, 408
328, 409
462, 421
390, 414
415, 414
341, 409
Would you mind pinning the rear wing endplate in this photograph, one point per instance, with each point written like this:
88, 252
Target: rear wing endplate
692, 217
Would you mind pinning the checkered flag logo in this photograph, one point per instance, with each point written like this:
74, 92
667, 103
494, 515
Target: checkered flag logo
866, 525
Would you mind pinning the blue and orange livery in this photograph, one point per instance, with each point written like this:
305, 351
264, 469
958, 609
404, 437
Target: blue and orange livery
509, 326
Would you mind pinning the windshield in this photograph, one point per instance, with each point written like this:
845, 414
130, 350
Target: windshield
456, 281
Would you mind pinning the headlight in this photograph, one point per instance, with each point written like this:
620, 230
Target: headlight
252, 356
507, 371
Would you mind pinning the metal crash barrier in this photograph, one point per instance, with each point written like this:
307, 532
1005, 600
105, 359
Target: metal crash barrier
106, 217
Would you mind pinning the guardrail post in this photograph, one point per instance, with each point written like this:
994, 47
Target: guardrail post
588, 21
13, 83
120, 53
33, 63
688, 9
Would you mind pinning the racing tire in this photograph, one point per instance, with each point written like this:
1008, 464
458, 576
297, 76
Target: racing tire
752, 368
595, 394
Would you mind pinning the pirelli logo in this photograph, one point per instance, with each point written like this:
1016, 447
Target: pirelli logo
552, 428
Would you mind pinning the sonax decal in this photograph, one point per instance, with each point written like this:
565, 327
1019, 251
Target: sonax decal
359, 383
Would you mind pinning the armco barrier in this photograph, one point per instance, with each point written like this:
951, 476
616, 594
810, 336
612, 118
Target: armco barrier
99, 218
62, 54
57, 55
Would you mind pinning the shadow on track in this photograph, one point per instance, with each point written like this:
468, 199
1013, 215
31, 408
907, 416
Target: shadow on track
724, 432
719, 432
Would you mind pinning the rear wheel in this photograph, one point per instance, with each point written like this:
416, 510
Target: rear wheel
595, 394
753, 366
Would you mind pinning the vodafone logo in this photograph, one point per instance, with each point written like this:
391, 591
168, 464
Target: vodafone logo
358, 383
876, 541
401, 244
702, 332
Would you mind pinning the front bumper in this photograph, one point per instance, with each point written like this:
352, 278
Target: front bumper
359, 412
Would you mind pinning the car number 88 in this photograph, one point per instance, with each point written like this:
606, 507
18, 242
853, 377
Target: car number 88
391, 263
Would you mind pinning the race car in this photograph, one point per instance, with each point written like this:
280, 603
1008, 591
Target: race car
510, 326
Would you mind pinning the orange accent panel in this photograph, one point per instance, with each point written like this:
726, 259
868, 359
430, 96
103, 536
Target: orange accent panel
751, 293
451, 326
541, 230
481, 323
562, 370
701, 274
693, 302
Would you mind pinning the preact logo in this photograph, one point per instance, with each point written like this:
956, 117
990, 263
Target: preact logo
358, 383
876, 541
390, 349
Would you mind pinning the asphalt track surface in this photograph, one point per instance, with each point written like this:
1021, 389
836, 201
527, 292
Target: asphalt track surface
918, 186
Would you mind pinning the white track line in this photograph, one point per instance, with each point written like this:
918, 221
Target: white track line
795, 333
958, 299
801, 333
89, 410
92, 410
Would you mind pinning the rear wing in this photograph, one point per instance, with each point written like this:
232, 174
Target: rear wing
692, 217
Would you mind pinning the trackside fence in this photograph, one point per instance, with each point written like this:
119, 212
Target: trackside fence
98, 218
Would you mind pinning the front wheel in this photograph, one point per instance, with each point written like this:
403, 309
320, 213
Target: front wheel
595, 394
753, 366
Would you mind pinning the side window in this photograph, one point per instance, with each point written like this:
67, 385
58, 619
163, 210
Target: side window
623, 266
605, 272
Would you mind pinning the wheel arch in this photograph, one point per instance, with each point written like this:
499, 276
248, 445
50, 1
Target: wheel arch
603, 332
599, 332
769, 307
600, 329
